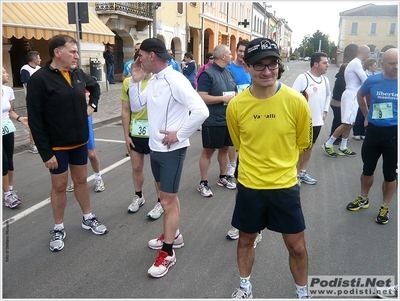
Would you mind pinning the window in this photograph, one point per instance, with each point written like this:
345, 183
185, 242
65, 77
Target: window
392, 28
373, 28
180, 7
354, 28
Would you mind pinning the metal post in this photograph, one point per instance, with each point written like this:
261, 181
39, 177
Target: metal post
78, 33
154, 20
265, 19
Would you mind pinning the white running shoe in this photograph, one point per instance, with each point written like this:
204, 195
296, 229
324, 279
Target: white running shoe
156, 212
99, 185
157, 243
162, 264
136, 204
233, 233
230, 171
204, 190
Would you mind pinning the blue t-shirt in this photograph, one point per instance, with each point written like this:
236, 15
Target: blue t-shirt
127, 68
174, 64
383, 108
241, 77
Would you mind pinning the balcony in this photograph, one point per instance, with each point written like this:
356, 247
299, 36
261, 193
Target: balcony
138, 11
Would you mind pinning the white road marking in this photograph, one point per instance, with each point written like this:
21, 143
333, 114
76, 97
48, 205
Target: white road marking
43, 203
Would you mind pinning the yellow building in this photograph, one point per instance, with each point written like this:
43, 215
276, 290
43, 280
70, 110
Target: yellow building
36, 22
370, 24
225, 23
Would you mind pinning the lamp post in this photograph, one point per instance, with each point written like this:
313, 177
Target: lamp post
265, 17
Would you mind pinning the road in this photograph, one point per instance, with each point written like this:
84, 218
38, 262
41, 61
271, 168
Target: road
115, 265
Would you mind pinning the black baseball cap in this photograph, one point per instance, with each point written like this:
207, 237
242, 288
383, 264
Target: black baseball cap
260, 48
157, 46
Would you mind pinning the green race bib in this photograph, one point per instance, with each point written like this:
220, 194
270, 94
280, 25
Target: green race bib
382, 110
140, 128
7, 127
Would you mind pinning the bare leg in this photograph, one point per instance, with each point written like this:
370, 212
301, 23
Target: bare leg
298, 258
205, 161
223, 159
58, 196
245, 253
388, 189
81, 191
137, 161
94, 160
171, 206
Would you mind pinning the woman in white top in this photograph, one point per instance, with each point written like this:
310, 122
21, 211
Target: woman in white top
7, 96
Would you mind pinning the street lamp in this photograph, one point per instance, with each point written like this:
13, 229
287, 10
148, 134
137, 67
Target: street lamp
265, 17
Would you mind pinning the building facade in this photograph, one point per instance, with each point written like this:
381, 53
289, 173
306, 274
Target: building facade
370, 24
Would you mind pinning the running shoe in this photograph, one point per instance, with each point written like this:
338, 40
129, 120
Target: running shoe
230, 171
258, 239
12, 201
136, 204
33, 149
329, 150
346, 152
358, 203
157, 243
156, 212
383, 216
204, 190
302, 297
14, 192
99, 185
390, 292
162, 264
304, 177
94, 225
357, 137
226, 182
70, 187
241, 293
233, 233
57, 240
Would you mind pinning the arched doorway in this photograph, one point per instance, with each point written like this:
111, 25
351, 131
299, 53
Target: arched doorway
208, 42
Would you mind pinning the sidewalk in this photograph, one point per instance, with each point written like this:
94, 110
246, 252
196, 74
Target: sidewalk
109, 111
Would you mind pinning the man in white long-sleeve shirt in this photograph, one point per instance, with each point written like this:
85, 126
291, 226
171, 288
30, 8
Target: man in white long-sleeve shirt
174, 114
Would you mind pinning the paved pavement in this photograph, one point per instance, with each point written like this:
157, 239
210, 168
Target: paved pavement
109, 111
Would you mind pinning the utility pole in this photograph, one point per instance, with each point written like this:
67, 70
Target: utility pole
265, 18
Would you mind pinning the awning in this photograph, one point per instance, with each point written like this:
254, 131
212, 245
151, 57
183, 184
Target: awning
43, 20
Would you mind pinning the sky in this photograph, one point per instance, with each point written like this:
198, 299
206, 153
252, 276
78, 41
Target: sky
306, 17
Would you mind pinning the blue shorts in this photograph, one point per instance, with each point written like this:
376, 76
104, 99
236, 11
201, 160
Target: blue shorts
167, 168
90, 144
76, 156
275, 209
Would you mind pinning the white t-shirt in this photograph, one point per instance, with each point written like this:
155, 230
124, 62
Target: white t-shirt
7, 95
354, 75
319, 94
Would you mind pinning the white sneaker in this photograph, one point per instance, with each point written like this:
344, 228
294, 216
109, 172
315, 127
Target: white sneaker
136, 204
258, 239
156, 212
230, 171
226, 182
233, 233
357, 137
33, 149
70, 187
99, 185
12, 201
204, 190
157, 243
162, 264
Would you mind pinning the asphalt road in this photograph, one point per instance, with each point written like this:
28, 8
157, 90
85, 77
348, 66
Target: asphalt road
114, 265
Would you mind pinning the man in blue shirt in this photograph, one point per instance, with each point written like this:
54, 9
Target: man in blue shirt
127, 67
381, 136
172, 62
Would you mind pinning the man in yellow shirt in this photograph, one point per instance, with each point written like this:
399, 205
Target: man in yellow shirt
269, 124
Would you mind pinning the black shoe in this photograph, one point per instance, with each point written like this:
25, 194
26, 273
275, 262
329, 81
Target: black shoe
383, 216
358, 203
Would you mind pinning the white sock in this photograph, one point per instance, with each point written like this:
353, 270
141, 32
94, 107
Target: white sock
330, 141
343, 144
301, 290
10, 187
59, 226
245, 283
88, 216
97, 175
6, 194
233, 164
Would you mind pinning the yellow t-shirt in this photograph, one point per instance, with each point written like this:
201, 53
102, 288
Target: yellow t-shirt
142, 115
269, 134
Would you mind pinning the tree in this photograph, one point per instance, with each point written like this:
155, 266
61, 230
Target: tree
318, 41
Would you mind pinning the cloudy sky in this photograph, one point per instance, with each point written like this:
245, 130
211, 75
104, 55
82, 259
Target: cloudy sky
306, 17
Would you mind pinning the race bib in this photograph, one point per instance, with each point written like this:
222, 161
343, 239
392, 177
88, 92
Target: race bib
228, 93
242, 87
7, 127
140, 128
382, 110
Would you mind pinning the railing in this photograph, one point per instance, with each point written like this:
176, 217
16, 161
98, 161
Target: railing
138, 9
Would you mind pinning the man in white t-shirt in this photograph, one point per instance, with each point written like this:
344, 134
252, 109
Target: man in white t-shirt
354, 76
26, 72
315, 87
